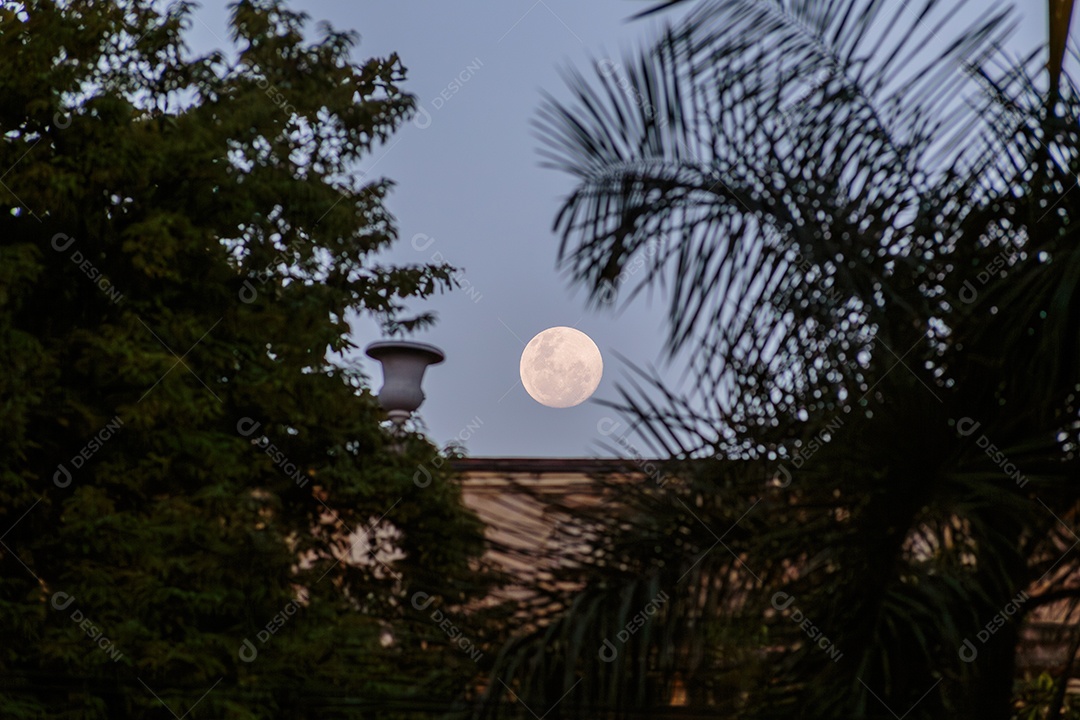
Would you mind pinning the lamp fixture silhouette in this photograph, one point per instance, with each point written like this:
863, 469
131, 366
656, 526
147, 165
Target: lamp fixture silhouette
403, 364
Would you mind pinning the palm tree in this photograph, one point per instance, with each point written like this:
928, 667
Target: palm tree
1059, 13
862, 218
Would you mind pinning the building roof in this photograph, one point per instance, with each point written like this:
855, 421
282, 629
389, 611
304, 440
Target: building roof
531, 465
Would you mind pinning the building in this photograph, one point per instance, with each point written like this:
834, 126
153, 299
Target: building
526, 502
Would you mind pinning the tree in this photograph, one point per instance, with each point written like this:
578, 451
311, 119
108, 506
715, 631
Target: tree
863, 221
200, 508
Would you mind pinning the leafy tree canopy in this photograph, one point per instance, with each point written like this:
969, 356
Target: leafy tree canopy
197, 508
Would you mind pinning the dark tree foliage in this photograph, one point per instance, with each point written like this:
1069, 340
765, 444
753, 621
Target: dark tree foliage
199, 511
862, 215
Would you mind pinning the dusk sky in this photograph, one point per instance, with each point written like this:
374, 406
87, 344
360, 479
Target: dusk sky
470, 191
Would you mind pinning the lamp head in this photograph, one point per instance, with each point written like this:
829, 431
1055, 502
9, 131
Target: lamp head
403, 364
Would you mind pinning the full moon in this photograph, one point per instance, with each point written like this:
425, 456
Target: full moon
561, 367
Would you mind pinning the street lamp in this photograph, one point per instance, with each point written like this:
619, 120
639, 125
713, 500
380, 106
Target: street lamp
403, 364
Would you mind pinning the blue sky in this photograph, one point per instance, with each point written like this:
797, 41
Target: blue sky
470, 191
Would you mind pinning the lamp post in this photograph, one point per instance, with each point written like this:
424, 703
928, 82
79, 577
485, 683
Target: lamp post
403, 365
